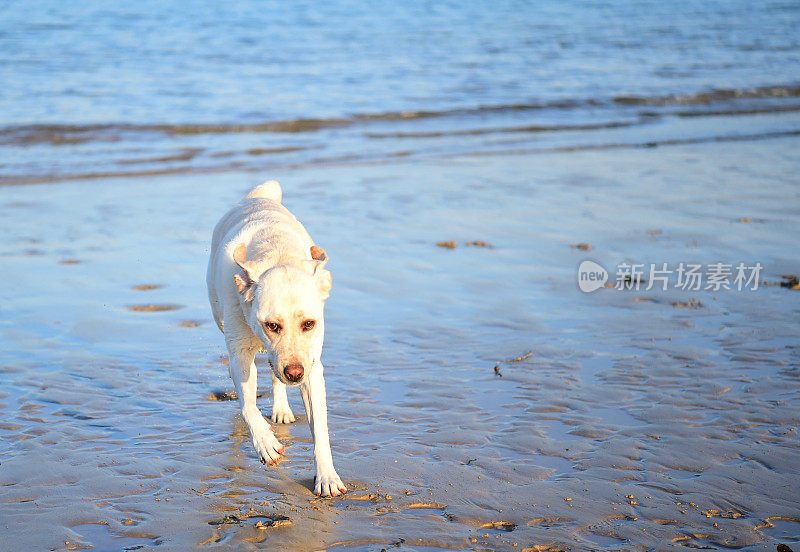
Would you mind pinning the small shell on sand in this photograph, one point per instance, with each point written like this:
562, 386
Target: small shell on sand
426, 506
153, 307
260, 521
146, 287
790, 281
223, 396
264, 522
499, 526
691, 304
452, 244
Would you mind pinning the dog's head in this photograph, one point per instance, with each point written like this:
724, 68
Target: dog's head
284, 308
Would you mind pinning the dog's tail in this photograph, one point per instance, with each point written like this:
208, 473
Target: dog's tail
268, 190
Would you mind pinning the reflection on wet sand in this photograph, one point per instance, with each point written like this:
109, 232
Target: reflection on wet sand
614, 421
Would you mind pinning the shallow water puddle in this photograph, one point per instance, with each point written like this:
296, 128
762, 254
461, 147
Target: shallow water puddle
782, 528
399, 545
98, 536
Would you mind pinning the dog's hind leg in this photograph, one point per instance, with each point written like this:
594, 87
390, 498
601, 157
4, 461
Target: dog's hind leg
243, 373
281, 412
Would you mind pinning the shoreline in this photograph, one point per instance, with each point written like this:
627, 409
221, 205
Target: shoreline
391, 158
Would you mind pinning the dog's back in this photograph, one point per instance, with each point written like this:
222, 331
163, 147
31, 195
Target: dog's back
270, 232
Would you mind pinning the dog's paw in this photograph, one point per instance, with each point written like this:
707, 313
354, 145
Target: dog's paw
328, 484
282, 414
269, 449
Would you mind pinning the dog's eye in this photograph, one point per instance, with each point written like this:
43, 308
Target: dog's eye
308, 325
274, 327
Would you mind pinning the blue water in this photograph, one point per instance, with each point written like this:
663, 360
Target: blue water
166, 80
66, 62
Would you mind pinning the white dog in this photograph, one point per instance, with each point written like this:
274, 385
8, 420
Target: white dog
267, 285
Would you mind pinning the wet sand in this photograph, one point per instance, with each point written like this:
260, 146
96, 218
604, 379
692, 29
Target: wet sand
636, 423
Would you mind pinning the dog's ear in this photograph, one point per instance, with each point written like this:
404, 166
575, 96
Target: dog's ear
322, 276
318, 254
248, 277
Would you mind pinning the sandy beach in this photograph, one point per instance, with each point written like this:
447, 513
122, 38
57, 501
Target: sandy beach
641, 419
564, 246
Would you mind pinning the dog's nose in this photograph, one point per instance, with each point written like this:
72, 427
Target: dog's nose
293, 372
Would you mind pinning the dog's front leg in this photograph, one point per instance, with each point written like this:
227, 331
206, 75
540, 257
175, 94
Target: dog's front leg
313, 391
242, 369
281, 412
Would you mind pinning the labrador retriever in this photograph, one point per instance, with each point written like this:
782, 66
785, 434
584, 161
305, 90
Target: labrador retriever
267, 285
